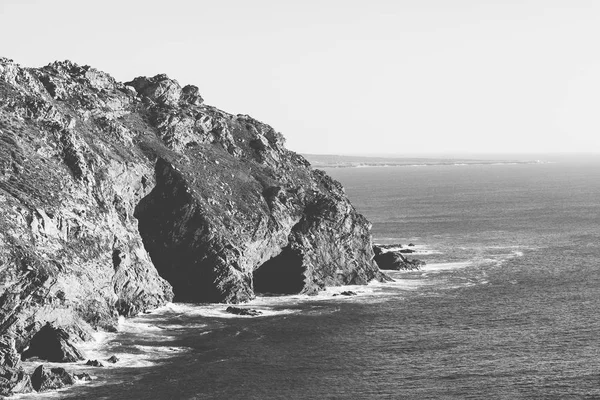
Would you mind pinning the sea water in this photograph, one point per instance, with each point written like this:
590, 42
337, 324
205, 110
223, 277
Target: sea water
507, 306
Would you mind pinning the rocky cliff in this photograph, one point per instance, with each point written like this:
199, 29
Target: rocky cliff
118, 197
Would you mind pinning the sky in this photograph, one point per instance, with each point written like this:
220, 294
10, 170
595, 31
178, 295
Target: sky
353, 76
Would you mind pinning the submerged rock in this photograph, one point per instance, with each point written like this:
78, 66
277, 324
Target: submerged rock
113, 359
94, 363
346, 293
243, 311
44, 379
84, 377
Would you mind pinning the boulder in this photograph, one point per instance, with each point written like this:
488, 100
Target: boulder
113, 359
83, 377
94, 363
44, 379
160, 89
191, 95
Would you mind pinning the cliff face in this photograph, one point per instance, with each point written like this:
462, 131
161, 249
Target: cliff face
116, 198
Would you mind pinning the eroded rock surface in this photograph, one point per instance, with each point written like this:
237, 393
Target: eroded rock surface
117, 197
52, 344
44, 379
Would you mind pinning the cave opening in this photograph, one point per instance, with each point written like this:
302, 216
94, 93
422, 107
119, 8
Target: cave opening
282, 274
172, 231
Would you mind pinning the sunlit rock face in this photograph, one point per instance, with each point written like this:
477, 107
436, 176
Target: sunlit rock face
116, 198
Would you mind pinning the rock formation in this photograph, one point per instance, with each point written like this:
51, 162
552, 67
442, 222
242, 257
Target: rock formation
116, 198
388, 259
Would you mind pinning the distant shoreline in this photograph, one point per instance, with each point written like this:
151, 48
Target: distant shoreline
362, 162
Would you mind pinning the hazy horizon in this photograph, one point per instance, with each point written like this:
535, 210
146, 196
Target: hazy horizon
351, 77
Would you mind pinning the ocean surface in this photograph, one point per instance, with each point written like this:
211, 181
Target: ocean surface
507, 307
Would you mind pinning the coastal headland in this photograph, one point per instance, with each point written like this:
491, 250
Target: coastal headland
116, 198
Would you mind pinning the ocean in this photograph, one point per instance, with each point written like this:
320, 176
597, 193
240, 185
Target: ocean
507, 306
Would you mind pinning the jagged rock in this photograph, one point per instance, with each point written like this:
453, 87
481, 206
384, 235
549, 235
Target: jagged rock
52, 344
94, 363
84, 377
243, 311
68, 190
8, 355
113, 359
191, 94
114, 198
43, 379
161, 89
14, 380
395, 260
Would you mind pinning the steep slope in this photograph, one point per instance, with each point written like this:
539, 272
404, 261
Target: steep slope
115, 198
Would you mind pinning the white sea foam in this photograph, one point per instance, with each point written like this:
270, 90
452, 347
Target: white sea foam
445, 266
417, 249
219, 310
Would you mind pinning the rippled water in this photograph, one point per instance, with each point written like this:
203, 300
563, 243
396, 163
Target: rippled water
506, 308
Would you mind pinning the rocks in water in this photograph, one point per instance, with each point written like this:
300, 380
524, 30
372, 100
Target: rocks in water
411, 245
44, 379
346, 293
394, 260
243, 311
94, 363
52, 344
113, 359
406, 251
84, 377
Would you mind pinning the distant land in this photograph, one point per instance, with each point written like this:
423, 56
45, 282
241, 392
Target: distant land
348, 161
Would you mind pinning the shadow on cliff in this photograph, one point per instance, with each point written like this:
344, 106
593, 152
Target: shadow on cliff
282, 274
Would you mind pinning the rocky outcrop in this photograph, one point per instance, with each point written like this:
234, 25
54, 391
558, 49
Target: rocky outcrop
44, 379
388, 259
14, 381
116, 198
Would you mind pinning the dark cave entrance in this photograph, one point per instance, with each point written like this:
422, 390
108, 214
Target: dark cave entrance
282, 274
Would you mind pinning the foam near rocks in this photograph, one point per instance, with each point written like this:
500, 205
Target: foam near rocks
445, 266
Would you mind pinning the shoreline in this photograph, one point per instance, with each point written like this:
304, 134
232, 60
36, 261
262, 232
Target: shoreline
151, 327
